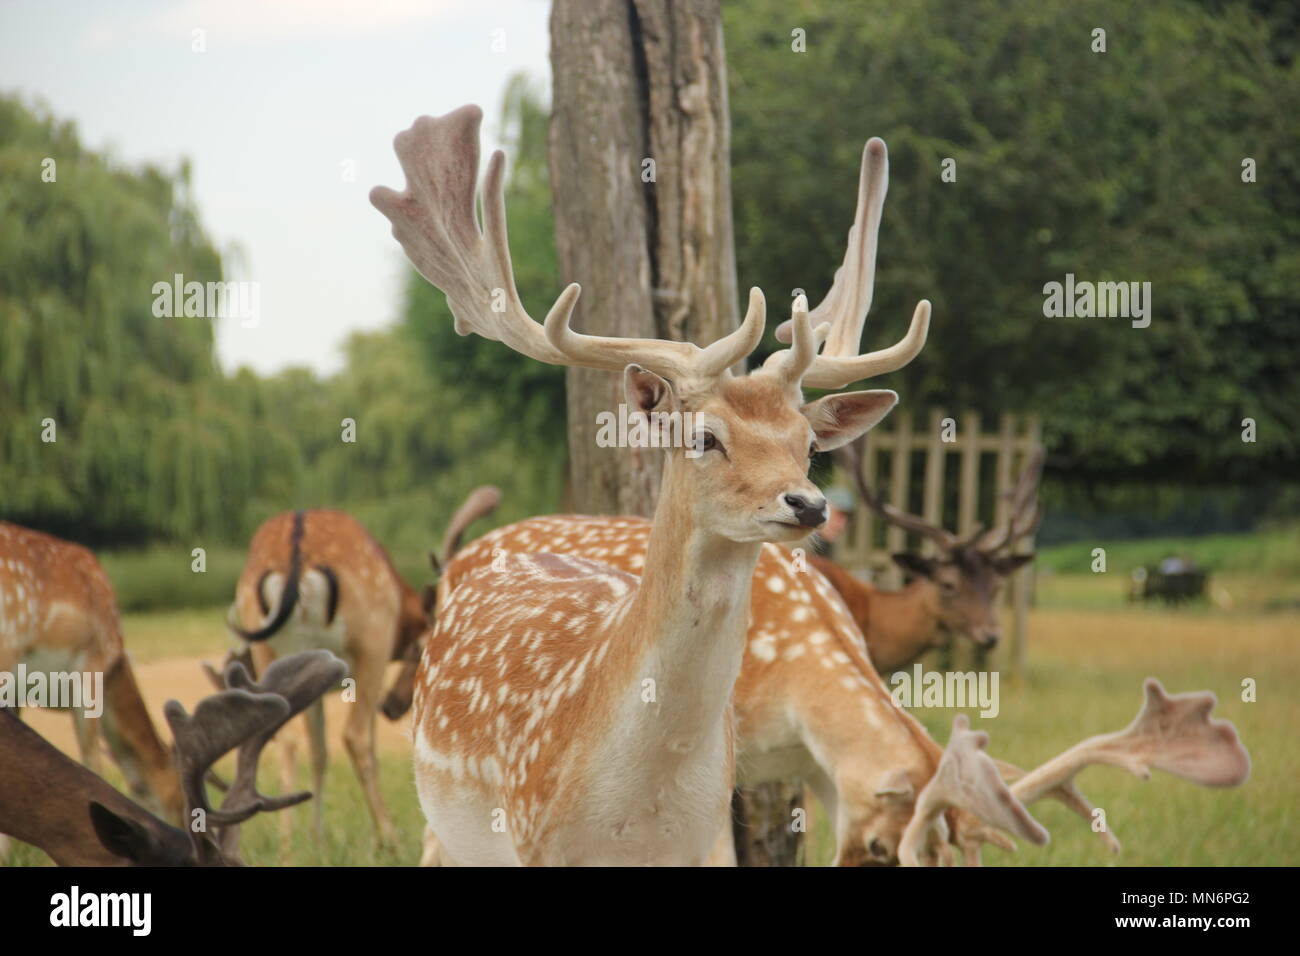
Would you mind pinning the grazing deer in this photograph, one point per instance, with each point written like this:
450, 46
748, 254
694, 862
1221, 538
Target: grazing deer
809, 703
74, 816
566, 711
954, 592
317, 579
482, 501
58, 614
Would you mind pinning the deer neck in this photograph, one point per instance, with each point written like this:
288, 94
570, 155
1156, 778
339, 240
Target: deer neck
138, 750
903, 624
691, 612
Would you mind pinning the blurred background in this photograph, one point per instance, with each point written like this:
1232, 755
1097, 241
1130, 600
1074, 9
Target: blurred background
250, 159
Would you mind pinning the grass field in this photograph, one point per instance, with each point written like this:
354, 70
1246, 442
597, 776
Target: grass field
1089, 652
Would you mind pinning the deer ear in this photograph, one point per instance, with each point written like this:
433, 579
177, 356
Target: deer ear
119, 835
1012, 562
839, 419
429, 600
915, 564
647, 392
895, 784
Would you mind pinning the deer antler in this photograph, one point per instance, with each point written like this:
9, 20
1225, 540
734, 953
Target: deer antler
1067, 794
1174, 733
219, 724
300, 679
434, 221
966, 778
246, 715
849, 299
1026, 512
847, 457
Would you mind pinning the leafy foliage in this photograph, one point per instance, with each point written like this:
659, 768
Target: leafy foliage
1124, 165
150, 440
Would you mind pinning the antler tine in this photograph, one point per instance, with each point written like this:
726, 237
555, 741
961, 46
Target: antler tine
670, 359
1067, 794
1172, 732
299, 680
433, 219
220, 723
1024, 497
849, 299
791, 364
967, 778
848, 458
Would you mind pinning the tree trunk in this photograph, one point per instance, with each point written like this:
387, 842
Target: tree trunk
639, 149
640, 173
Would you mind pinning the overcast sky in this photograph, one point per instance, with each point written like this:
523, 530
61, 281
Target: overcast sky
286, 93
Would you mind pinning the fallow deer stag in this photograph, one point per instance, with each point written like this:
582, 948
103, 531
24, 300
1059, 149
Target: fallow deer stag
566, 711
58, 613
955, 592
811, 706
317, 579
74, 816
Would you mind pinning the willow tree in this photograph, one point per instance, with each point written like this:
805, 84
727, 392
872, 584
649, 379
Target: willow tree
115, 422
640, 152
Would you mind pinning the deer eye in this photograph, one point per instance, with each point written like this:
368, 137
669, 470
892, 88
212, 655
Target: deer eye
709, 442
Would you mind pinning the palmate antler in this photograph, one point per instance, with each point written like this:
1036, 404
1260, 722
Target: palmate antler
966, 779
1172, 732
846, 305
246, 715
434, 220
300, 680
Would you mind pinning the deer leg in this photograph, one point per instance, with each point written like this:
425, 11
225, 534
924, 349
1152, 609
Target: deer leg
315, 718
263, 656
359, 737
87, 740
723, 852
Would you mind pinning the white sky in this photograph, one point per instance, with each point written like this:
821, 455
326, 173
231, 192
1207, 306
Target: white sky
286, 91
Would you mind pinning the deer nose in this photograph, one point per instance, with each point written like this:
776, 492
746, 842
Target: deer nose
810, 514
991, 639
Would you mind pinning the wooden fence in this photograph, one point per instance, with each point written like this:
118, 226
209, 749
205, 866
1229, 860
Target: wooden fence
975, 496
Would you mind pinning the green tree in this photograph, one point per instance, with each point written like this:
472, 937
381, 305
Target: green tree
1123, 165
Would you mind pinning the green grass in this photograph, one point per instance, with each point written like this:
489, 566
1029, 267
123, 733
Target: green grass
1271, 550
1085, 676
1089, 653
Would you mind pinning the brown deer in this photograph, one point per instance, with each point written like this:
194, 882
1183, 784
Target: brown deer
566, 712
317, 579
954, 592
58, 613
73, 815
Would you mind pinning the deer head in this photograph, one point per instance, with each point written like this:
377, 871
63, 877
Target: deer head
244, 716
746, 479
966, 575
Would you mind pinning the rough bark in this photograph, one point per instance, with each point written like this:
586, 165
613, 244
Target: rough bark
635, 82
638, 80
